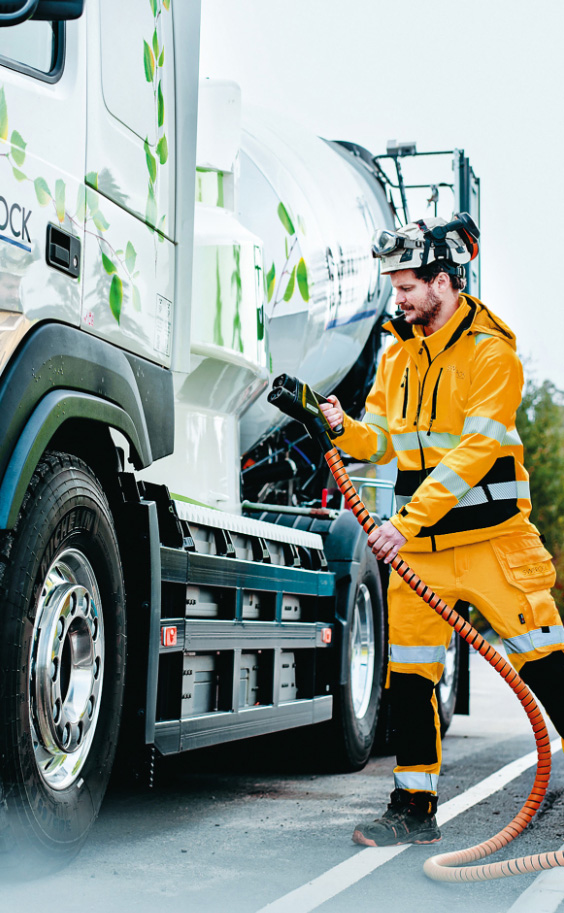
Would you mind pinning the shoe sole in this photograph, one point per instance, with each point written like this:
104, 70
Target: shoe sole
358, 837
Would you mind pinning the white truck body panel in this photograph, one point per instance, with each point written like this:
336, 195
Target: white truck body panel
130, 166
42, 140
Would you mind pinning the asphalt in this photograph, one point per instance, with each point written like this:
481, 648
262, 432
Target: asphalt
240, 829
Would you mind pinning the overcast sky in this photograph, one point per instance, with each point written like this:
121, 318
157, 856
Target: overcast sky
485, 76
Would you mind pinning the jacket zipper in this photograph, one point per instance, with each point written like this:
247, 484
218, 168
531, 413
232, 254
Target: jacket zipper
434, 403
419, 404
405, 384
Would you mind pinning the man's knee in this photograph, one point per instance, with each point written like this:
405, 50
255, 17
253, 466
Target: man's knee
413, 718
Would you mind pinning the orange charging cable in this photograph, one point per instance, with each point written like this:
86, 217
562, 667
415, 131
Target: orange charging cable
451, 866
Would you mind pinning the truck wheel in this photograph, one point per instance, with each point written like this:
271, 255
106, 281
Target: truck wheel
62, 662
447, 688
357, 701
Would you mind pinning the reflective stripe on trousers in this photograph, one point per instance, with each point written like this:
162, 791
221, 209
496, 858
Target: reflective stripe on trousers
532, 640
417, 654
418, 780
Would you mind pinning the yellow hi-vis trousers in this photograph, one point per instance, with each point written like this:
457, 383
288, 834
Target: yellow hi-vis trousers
508, 579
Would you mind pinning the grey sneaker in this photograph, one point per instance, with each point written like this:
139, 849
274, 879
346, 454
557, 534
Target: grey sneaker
409, 818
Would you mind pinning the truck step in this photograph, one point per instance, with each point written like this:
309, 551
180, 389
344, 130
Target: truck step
245, 609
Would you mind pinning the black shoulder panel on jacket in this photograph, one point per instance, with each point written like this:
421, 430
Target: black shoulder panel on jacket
55, 356
402, 327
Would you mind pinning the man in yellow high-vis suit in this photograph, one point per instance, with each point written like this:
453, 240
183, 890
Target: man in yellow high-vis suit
444, 403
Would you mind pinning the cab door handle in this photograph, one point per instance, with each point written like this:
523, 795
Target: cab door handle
62, 251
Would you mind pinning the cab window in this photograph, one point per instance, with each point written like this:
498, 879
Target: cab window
32, 47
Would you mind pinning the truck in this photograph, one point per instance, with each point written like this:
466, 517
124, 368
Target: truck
175, 570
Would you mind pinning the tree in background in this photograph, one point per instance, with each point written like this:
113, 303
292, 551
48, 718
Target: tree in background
540, 422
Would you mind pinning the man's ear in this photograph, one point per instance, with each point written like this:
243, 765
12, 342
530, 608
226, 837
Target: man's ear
443, 281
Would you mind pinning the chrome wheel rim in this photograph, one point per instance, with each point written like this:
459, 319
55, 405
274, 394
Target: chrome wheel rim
446, 683
362, 651
66, 669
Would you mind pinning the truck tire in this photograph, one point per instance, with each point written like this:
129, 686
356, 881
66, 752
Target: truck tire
357, 700
62, 662
447, 689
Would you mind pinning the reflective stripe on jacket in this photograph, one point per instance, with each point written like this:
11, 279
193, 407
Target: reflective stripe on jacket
445, 405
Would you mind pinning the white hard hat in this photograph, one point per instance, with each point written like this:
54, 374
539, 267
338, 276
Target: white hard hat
420, 243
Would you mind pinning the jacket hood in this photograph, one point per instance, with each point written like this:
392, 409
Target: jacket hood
472, 314
486, 322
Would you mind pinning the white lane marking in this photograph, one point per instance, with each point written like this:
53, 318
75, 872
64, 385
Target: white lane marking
311, 895
544, 895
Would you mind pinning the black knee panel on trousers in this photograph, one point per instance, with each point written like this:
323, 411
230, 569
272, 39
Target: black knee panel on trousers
413, 719
545, 678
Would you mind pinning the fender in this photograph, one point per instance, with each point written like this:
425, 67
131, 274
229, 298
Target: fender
58, 357
54, 409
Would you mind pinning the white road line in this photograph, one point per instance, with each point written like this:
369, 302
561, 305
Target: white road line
544, 895
316, 892
490, 785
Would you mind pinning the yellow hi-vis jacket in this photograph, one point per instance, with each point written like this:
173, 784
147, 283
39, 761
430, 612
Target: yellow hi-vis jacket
445, 405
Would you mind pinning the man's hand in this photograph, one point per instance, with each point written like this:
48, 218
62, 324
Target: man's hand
333, 411
386, 541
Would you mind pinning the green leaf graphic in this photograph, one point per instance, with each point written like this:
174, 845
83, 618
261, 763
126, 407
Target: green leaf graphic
162, 150
60, 199
290, 287
270, 281
3, 115
130, 257
42, 191
303, 283
166, 4
260, 323
99, 221
151, 213
91, 200
154, 6
151, 161
161, 58
148, 62
92, 179
18, 147
285, 219
160, 105
301, 225
19, 175
135, 298
108, 265
80, 204
116, 297
155, 44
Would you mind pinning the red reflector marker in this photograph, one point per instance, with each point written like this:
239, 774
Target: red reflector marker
169, 636
326, 635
